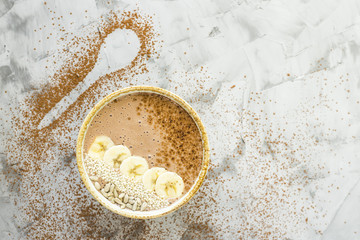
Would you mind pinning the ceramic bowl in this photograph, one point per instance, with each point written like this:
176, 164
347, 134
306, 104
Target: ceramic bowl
126, 212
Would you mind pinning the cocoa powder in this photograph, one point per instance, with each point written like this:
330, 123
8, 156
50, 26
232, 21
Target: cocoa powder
42, 160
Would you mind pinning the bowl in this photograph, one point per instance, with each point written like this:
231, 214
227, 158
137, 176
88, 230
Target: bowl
141, 214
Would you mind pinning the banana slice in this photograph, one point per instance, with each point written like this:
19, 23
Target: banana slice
99, 146
134, 167
150, 176
115, 155
169, 185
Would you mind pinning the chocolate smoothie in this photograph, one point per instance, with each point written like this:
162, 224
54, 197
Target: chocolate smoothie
153, 127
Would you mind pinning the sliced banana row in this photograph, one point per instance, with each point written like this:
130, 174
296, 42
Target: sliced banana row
166, 184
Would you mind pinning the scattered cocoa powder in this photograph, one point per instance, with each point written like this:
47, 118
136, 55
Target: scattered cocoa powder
33, 155
56, 205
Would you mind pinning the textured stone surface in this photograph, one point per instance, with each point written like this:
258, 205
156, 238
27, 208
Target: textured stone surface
275, 82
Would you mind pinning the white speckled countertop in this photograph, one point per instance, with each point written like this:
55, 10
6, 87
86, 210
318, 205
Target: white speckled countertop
275, 82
